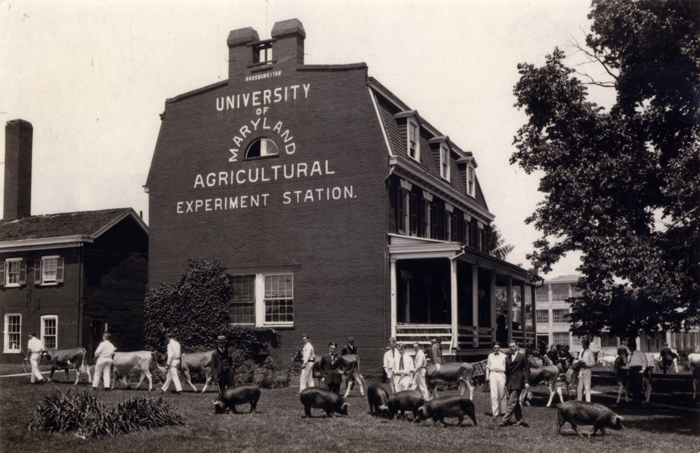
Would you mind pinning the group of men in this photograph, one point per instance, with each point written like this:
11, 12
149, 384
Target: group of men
408, 373
508, 374
330, 364
221, 364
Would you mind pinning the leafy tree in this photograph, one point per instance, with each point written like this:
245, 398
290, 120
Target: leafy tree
622, 186
497, 245
195, 307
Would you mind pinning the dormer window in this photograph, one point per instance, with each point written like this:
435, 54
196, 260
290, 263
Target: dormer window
413, 140
471, 180
262, 147
263, 53
444, 161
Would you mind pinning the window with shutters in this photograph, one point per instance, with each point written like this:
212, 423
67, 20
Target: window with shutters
13, 273
48, 270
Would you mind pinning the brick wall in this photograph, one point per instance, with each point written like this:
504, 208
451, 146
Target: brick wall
335, 246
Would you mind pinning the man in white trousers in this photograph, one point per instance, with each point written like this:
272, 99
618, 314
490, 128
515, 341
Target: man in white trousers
496, 376
419, 363
308, 358
103, 365
35, 348
173, 364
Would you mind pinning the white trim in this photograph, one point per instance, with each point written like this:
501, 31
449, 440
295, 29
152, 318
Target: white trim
7, 283
411, 121
381, 123
445, 161
6, 334
57, 242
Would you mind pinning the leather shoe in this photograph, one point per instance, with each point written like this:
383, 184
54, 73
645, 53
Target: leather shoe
504, 424
522, 423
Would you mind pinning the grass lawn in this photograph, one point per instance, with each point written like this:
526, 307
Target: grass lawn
279, 425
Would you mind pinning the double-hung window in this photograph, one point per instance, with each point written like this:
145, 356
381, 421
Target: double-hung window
12, 333
444, 161
242, 308
48, 270
471, 181
560, 315
49, 331
413, 139
13, 272
279, 299
263, 53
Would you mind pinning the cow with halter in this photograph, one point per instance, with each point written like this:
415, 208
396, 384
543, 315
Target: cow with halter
124, 363
66, 359
349, 366
197, 362
459, 373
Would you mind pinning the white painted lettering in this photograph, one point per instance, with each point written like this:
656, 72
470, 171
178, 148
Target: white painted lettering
287, 200
179, 207
267, 94
285, 172
278, 127
238, 180
223, 178
244, 131
256, 95
255, 124
294, 88
301, 168
309, 196
211, 179
328, 172
198, 181
316, 168
234, 157
250, 176
306, 90
278, 94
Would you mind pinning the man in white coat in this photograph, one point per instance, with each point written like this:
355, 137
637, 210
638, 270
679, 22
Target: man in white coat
419, 363
307, 364
390, 357
103, 365
496, 376
173, 364
35, 348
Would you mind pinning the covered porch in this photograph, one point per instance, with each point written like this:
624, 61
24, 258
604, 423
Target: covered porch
445, 290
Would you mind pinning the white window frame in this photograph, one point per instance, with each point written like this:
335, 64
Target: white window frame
413, 151
6, 335
471, 180
47, 281
564, 312
244, 302
44, 334
19, 273
265, 299
561, 335
539, 316
445, 161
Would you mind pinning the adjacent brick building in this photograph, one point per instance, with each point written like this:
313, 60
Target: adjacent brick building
337, 209
68, 277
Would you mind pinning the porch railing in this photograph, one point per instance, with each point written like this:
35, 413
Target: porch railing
423, 333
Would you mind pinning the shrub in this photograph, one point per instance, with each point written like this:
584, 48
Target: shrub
86, 416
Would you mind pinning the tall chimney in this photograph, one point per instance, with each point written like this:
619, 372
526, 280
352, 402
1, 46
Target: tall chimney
18, 169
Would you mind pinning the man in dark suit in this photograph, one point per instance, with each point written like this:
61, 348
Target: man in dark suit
517, 380
330, 364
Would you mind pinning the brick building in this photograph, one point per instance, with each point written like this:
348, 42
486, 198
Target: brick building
70, 276
337, 209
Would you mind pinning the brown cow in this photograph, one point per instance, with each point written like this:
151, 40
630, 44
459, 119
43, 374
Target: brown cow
67, 358
460, 373
196, 362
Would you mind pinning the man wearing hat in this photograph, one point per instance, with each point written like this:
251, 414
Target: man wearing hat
349, 348
103, 366
222, 369
173, 364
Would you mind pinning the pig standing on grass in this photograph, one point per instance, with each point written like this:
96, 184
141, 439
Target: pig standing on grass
323, 399
585, 413
233, 396
447, 406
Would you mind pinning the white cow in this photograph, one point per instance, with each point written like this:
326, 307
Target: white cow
124, 363
197, 362
607, 361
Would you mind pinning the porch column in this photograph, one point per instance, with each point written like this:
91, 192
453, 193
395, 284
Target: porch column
475, 304
393, 299
523, 313
453, 300
509, 297
492, 289
534, 313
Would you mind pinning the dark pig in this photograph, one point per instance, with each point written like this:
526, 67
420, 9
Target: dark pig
584, 413
447, 406
240, 394
323, 399
404, 401
377, 397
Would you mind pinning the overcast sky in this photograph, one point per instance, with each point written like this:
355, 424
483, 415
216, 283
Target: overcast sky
92, 78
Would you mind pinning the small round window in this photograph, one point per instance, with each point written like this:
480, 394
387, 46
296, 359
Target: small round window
262, 147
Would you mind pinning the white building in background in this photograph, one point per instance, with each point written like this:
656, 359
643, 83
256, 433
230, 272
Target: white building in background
553, 324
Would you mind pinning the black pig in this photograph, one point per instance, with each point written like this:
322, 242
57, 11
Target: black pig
377, 397
240, 394
401, 402
323, 399
584, 413
447, 406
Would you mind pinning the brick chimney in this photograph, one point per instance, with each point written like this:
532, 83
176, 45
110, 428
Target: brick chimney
18, 170
244, 45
